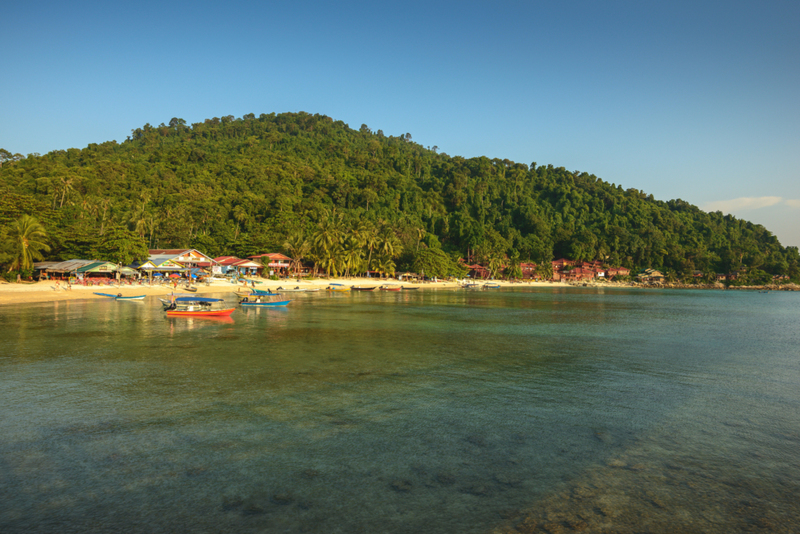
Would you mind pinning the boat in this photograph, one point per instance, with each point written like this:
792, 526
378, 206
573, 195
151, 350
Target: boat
491, 286
190, 289
258, 302
297, 289
337, 287
362, 288
390, 288
256, 293
409, 288
196, 307
120, 297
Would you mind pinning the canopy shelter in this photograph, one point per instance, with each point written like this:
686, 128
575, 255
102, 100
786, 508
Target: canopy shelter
81, 268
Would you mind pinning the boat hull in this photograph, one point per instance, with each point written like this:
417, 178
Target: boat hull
200, 313
276, 303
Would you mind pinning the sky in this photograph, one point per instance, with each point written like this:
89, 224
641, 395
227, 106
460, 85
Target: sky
695, 100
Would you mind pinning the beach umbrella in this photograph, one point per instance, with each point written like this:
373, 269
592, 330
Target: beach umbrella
174, 275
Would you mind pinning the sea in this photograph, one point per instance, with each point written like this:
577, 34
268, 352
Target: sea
432, 411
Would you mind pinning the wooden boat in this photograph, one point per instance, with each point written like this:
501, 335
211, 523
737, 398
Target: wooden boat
491, 286
297, 289
189, 311
337, 287
390, 288
190, 289
362, 288
196, 307
120, 297
409, 288
246, 302
256, 293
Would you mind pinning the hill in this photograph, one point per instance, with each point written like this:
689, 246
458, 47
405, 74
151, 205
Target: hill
247, 185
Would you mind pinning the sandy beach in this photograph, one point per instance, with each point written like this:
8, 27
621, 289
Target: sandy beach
46, 291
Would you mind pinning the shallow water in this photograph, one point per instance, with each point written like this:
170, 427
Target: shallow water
429, 411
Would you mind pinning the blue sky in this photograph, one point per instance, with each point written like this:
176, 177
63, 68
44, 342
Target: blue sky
693, 100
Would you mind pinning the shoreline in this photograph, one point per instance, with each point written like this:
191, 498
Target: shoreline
44, 291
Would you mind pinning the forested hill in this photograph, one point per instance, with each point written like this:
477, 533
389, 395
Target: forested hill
244, 186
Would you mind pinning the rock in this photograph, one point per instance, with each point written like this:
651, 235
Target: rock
479, 490
252, 508
446, 479
231, 503
282, 498
616, 463
402, 486
506, 479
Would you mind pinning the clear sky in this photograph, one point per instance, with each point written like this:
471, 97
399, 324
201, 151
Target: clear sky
698, 100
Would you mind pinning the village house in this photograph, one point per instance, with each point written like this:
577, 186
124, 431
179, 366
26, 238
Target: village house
277, 263
651, 276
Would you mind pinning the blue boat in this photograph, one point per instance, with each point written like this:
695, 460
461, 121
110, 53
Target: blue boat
120, 297
247, 302
197, 299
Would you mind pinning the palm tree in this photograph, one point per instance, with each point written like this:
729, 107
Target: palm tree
368, 238
327, 241
388, 244
27, 241
298, 247
545, 270
385, 265
353, 255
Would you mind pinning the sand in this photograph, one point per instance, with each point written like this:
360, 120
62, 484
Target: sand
46, 291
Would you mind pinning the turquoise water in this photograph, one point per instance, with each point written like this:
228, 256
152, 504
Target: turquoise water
427, 411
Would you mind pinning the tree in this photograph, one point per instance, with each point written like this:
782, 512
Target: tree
120, 245
298, 248
27, 239
545, 270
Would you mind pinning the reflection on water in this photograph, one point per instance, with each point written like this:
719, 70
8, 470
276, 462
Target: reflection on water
431, 411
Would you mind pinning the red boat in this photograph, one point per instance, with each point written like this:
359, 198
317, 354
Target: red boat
199, 313
387, 288
195, 307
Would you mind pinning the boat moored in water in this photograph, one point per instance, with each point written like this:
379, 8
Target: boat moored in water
119, 296
195, 307
258, 302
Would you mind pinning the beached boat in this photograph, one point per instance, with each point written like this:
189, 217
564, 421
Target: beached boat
409, 288
362, 288
196, 307
491, 286
390, 288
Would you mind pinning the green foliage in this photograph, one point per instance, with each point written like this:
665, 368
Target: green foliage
25, 241
244, 186
435, 263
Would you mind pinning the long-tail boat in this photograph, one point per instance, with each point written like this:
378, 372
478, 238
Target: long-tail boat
196, 307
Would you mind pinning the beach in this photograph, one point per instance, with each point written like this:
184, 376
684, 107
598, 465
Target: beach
47, 291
